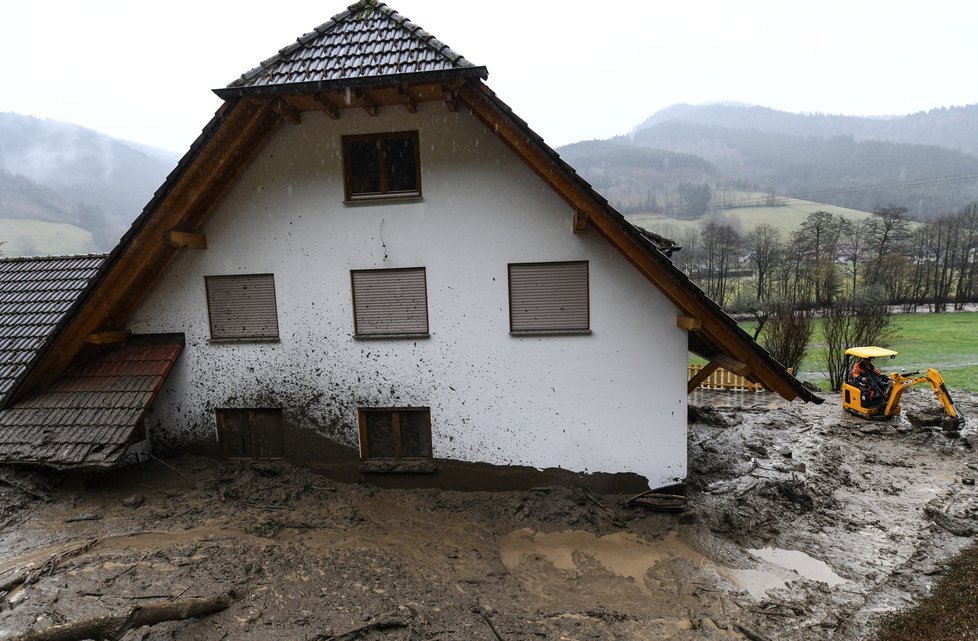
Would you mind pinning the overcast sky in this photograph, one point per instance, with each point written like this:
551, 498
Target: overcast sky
573, 70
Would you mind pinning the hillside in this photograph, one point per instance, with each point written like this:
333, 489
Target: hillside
57, 172
839, 170
925, 162
951, 127
786, 216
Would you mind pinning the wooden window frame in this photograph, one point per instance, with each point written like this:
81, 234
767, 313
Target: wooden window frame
385, 193
269, 338
379, 335
552, 331
395, 413
253, 433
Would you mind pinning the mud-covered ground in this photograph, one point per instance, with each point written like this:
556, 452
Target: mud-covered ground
802, 524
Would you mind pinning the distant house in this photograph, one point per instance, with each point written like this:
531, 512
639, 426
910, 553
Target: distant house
369, 263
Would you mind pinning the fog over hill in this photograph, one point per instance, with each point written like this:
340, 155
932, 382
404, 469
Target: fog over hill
926, 162
58, 172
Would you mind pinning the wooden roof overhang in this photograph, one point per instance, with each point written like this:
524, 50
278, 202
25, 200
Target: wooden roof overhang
713, 334
245, 122
193, 189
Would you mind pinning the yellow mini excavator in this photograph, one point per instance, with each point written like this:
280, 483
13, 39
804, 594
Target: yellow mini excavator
870, 394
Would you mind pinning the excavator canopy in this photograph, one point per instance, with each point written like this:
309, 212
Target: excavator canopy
870, 352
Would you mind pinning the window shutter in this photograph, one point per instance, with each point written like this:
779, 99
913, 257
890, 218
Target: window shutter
548, 297
242, 306
390, 301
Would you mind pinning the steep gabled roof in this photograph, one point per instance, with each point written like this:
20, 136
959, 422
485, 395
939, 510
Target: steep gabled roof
367, 42
256, 106
36, 296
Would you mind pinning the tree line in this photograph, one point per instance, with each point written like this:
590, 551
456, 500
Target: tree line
830, 258
849, 274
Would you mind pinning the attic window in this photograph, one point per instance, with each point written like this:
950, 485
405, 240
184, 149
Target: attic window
381, 166
242, 307
549, 298
395, 432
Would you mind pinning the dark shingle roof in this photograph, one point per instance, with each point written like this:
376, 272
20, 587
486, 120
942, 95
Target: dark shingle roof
362, 42
89, 416
36, 294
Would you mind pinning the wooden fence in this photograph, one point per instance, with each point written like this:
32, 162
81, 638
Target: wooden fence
722, 379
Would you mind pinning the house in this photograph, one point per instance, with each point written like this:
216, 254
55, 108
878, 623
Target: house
369, 263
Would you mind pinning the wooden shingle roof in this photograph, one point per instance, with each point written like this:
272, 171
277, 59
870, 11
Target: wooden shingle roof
368, 41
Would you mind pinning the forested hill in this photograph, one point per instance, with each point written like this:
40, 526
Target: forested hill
950, 127
55, 172
926, 179
926, 162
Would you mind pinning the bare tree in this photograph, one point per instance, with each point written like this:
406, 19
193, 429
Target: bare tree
721, 245
764, 250
860, 321
816, 246
786, 334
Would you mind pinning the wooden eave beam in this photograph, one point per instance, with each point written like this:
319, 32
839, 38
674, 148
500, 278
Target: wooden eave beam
289, 112
229, 150
409, 102
369, 104
515, 137
451, 100
186, 239
701, 376
580, 221
108, 338
331, 108
689, 323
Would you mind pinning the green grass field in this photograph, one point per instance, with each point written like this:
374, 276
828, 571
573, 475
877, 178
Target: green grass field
40, 238
947, 342
785, 218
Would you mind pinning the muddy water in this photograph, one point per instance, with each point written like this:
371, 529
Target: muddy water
622, 553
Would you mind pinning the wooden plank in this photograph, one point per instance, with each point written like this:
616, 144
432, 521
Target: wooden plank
689, 323
186, 239
108, 338
451, 101
701, 376
409, 103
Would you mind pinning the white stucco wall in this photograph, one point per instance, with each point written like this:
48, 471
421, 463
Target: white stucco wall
611, 401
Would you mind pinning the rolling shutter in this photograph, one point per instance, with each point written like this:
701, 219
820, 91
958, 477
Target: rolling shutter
548, 297
242, 306
390, 301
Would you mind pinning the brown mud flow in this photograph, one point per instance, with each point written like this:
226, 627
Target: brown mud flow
802, 524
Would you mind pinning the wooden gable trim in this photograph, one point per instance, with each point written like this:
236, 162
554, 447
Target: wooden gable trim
141, 260
714, 330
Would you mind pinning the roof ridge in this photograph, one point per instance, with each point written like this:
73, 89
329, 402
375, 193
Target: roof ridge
361, 10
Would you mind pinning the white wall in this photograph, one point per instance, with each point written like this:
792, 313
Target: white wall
611, 401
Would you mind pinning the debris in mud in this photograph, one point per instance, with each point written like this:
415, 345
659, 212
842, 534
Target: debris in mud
878, 513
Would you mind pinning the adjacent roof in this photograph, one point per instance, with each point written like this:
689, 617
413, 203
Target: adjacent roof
36, 295
241, 126
367, 41
89, 416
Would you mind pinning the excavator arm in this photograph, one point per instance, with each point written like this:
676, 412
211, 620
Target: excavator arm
902, 383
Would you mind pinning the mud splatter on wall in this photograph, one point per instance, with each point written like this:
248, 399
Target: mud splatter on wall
613, 400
